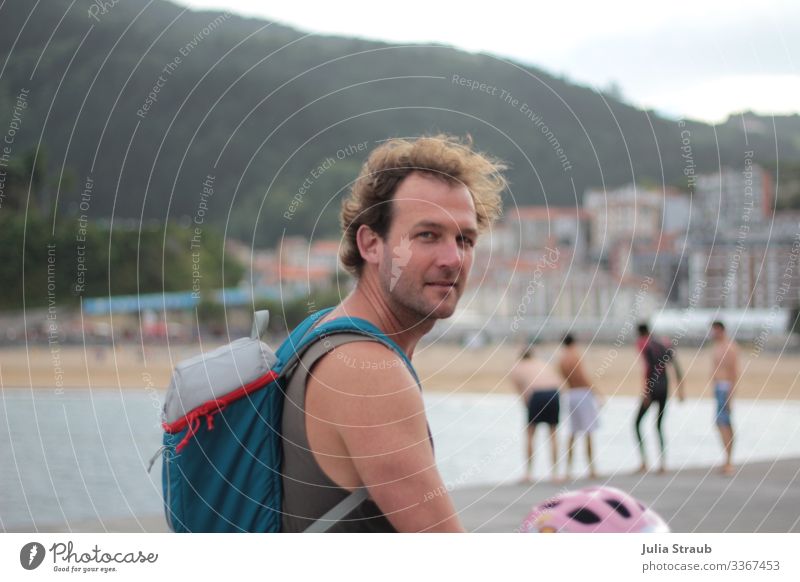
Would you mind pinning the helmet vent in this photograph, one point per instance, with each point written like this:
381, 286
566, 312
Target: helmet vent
584, 515
619, 507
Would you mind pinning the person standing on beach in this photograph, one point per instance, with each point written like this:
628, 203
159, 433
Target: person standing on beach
352, 417
583, 409
655, 355
538, 385
725, 375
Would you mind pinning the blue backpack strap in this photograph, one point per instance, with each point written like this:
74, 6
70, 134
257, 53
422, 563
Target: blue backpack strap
343, 325
290, 346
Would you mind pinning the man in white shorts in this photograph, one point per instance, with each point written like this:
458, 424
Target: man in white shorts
583, 409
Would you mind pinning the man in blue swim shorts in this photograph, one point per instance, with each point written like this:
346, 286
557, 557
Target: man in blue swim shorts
725, 357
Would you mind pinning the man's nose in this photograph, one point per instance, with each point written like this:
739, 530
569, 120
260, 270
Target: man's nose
451, 255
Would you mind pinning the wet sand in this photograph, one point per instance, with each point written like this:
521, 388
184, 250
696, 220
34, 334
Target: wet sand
441, 367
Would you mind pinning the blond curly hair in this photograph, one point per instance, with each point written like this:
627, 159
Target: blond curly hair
446, 157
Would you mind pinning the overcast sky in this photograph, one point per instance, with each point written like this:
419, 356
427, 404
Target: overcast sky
701, 59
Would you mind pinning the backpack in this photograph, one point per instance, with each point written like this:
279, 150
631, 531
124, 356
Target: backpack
222, 447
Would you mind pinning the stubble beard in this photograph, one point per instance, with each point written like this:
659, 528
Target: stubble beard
409, 299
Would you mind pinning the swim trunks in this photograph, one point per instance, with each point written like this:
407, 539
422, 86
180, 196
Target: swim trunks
583, 413
722, 391
544, 406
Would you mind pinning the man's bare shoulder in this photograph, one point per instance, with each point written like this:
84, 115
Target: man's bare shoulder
365, 384
570, 359
363, 368
517, 373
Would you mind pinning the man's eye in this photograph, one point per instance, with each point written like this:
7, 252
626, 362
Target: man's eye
467, 241
426, 235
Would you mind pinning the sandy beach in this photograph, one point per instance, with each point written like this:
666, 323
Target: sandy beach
441, 367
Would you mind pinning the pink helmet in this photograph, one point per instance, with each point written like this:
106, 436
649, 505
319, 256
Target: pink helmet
593, 510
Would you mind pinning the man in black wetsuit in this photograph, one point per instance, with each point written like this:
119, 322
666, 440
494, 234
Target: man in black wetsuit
656, 356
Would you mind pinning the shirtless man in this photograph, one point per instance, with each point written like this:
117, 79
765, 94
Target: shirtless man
538, 384
356, 419
583, 412
725, 357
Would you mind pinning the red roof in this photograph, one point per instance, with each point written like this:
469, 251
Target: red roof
547, 213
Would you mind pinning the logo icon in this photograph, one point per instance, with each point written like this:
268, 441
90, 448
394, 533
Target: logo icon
401, 254
31, 555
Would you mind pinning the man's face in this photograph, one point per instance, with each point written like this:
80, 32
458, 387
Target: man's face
716, 333
428, 251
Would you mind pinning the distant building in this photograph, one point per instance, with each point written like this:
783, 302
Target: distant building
324, 254
550, 291
758, 274
744, 255
540, 227
294, 268
294, 251
677, 212
730, 198
665, 260
625, 214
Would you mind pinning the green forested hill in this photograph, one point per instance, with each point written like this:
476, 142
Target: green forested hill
261, 107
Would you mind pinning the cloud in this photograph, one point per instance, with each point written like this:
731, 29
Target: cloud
702, 66
658, 55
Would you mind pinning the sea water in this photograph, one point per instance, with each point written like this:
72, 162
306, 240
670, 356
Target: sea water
78, 455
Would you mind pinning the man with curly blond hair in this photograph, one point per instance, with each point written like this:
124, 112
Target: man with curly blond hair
354, 417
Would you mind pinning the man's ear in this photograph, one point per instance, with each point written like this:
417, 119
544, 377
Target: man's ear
370, 245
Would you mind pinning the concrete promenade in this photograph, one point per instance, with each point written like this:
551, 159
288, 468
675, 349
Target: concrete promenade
760, 497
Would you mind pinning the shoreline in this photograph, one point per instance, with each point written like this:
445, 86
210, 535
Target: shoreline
442, 368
